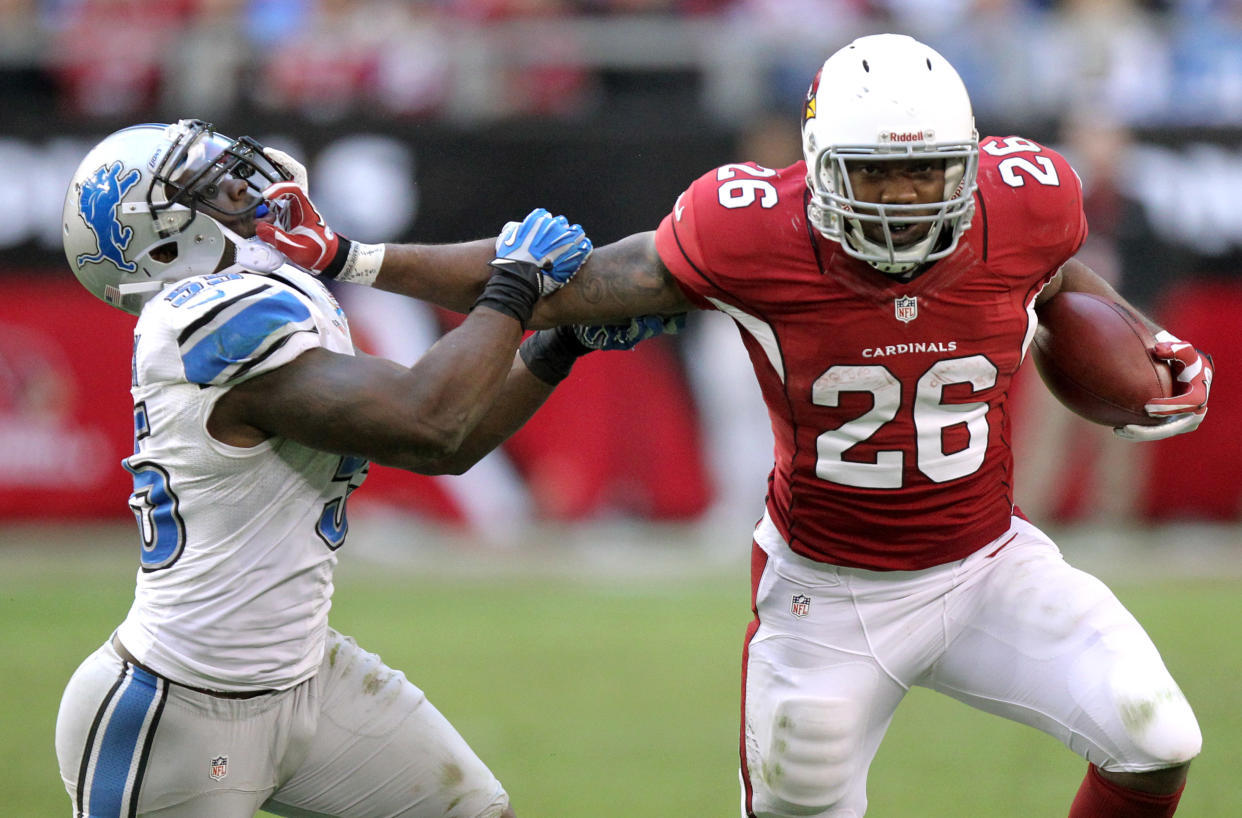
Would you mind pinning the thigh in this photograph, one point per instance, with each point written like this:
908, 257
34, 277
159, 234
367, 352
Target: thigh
131, 743
382, 749
816, 702
1040, 642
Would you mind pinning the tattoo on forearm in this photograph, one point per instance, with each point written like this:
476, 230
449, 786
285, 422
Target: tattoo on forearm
632, 276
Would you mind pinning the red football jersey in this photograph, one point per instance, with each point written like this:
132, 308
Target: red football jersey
887, 399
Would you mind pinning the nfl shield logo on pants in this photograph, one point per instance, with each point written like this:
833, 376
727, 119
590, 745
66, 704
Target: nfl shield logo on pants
800, 606
219, 768
906, 307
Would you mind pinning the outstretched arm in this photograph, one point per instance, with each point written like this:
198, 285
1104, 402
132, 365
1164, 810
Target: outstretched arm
619, 280
449, 275
442, 413
374, 408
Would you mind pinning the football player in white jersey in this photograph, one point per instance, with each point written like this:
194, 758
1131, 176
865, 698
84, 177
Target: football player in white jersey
225, 690
886, 288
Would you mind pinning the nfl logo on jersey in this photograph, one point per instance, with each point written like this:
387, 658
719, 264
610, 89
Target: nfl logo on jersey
801, 605
906, 307
219, 768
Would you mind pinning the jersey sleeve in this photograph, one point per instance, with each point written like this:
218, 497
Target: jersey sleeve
678, 244
1034, 203
227, 329
730, 226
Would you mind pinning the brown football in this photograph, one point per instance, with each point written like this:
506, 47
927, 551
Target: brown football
1094, 356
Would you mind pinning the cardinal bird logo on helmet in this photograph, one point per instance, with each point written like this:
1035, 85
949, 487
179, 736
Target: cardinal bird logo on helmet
808, 105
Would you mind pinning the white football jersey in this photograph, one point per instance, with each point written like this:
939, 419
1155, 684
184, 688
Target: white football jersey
238, 544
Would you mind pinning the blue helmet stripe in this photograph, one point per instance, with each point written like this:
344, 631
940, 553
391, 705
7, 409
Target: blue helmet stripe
235, 341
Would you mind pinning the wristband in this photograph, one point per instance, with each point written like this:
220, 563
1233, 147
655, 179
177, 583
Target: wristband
549, 354
355, 262
510, 292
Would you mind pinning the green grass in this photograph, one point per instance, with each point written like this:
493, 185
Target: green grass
618, 698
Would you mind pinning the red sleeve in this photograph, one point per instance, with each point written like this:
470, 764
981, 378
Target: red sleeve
1033, 203
731, 228
677, 242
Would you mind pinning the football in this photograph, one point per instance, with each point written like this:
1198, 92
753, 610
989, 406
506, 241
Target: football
1094, 356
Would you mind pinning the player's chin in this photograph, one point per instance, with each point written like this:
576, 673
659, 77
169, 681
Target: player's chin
242, 226
907, 235
902, 235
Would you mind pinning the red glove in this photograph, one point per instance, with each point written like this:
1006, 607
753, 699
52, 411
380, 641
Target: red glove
301, 233
1185, 408
1193, 373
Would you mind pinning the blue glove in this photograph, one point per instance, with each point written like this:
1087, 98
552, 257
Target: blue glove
544, 248
550, 353
627, 336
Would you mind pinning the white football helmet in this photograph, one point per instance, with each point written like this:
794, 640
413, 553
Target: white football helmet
889, 97
137, 214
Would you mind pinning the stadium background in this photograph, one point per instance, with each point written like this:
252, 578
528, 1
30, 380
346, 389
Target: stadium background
439, 121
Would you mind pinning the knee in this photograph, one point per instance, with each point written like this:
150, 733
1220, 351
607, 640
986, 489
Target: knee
1160, 722
808, 762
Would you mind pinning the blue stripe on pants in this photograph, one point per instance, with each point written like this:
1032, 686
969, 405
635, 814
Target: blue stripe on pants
121, 748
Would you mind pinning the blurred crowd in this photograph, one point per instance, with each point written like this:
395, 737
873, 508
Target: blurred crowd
1148, 62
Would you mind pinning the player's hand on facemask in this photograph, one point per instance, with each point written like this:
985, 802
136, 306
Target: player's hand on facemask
299, 230
543, 248
291, 167
1185, 408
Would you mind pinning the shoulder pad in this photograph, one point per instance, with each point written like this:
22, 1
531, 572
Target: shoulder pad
226, 325
1033, 197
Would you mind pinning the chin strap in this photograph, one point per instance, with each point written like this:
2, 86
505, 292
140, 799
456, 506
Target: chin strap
241, 255
251, 255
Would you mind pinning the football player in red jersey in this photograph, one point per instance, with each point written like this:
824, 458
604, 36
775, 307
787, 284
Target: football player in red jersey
886, 288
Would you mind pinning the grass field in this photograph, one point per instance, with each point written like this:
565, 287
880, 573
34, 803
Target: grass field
606, 692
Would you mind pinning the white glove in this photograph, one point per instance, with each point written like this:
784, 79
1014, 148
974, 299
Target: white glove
291, 166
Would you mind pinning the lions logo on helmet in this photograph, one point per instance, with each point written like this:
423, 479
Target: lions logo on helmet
99, 200
144, 210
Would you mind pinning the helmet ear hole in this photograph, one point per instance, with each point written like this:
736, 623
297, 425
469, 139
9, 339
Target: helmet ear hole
165, 253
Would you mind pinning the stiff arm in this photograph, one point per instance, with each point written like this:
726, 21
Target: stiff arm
619, 281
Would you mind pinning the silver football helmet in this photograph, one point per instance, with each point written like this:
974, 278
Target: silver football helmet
889, 97
143, 210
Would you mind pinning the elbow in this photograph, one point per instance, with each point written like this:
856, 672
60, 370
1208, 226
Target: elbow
428, 442
451, 467
437, 462
436, 442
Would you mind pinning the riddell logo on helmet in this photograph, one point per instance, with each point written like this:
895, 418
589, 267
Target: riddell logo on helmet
901, 137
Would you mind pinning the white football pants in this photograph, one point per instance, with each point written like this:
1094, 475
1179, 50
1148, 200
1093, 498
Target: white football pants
1012, 630
357, 740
